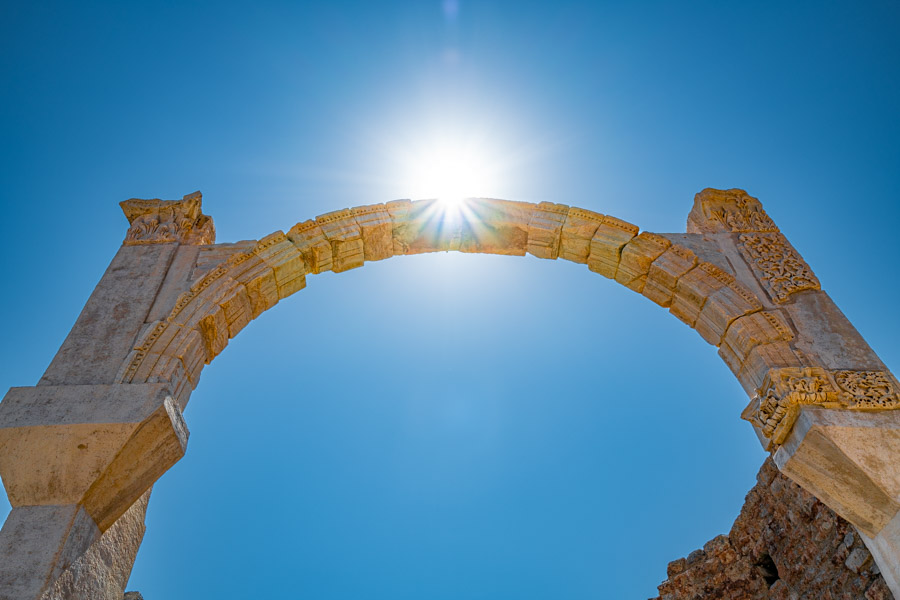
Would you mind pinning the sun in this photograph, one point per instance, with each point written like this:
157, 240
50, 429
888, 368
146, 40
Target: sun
449, 172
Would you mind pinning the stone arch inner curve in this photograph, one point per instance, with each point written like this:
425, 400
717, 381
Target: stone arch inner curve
234, 283
820, 399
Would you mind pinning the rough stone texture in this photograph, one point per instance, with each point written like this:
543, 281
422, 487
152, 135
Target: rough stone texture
38, 543
98, 446
784, 545
102, 572
112, 317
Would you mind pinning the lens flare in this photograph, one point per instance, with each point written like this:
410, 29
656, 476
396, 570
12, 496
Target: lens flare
449, 172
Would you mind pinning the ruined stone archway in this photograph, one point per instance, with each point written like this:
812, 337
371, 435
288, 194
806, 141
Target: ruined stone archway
821, 399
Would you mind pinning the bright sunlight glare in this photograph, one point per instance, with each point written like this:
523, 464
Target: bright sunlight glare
450, 172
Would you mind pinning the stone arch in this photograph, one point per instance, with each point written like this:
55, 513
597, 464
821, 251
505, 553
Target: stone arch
105, 423
235, 283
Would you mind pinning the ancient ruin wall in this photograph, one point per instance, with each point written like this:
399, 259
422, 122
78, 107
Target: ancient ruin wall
785, 545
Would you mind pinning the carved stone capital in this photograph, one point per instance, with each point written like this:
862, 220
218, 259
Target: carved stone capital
728, 211
776, 406
777, 403
162, 221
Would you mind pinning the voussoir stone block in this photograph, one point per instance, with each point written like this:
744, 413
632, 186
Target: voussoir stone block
545, 229
694, 288
577, 233
749, 331
398, 210
100, 446
496, 227
607, 243
345, 236
286, 262
665, 272
313, 246
238, 310
376, 229
637, 256
762, 359
722, 308
418, 228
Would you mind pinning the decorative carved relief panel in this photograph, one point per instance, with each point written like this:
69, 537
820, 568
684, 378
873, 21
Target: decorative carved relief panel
778, 266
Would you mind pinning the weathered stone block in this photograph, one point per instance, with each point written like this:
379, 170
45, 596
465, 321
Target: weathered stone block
418, 227
576, 234
37, 543
636, 258
694, 288
262, 289
545, 228
179, 277
286, 262
399, 213
665, 272
376, 228
102, 572
722, 308
105, 330
345, 236
101, 446
749, 331
214, 330
823, 330
313, 246
238, 312
203, 297
762, 359
847, 459
607, 243
496, 227
210, 257
172, 371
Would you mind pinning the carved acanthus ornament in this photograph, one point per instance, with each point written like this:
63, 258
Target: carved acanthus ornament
779, 267
777, 403
729, 211
867, 390
744, 213
162, 221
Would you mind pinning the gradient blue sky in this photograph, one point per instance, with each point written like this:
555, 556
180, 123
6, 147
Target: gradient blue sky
446, 426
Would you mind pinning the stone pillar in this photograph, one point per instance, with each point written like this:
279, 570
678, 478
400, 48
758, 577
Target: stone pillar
81, 448
822, 401
73, 460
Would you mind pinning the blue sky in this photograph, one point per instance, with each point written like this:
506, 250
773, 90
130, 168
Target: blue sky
446, 426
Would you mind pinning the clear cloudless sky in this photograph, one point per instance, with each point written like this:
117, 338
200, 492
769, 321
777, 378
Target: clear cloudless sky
445, 426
